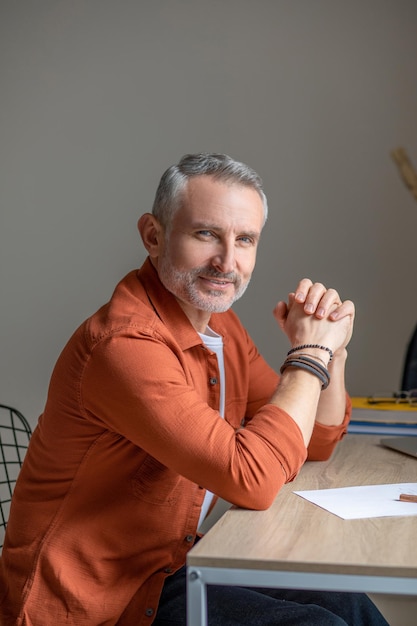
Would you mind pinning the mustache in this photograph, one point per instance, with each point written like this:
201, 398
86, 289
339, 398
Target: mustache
210, 272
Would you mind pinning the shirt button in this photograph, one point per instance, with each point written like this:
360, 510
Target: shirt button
189, 538
149, 612
213, 381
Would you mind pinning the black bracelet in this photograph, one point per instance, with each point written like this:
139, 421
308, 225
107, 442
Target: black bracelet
312, 356
311, 345
310, 360
308, 365
322, 371
306, 368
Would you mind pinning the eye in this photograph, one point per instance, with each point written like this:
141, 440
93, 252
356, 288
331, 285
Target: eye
246, 240
205, 234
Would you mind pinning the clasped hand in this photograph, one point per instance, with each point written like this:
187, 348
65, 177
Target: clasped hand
316, 315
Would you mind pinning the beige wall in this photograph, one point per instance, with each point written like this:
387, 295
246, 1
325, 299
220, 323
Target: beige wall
99, 97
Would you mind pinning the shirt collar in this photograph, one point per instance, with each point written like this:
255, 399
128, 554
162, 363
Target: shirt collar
167, 308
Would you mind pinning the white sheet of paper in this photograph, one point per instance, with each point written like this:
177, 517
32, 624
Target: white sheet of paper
364, 501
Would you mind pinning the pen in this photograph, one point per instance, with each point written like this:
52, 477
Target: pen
408, 497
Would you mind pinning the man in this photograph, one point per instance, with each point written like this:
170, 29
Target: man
159, 401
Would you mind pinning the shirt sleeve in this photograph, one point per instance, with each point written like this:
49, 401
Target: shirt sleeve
141, 390
264, 382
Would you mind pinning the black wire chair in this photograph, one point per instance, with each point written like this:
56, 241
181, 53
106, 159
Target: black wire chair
15, 433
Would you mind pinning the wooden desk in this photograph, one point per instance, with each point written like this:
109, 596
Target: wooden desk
299, 545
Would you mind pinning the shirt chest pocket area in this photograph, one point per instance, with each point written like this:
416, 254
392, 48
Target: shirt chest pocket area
236, 411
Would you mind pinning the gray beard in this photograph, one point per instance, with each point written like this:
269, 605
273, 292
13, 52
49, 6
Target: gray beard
183, 286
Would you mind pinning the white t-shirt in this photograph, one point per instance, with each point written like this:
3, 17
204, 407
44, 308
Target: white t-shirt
214, 342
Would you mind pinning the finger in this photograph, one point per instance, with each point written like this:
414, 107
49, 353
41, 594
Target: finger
325, 302
316, 300
302, 289
345, 309
291, 299
281, 313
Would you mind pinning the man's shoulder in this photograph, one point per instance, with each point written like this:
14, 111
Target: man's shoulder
128, 307
141, 307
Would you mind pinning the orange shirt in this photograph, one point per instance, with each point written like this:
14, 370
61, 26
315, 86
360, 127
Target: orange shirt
108, 500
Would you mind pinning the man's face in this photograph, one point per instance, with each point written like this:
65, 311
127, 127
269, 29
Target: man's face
207, 257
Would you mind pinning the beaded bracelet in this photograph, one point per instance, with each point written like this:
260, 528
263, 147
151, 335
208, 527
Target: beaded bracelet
311, 345
308, 365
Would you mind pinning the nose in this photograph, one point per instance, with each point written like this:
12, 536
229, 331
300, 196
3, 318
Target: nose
225, 261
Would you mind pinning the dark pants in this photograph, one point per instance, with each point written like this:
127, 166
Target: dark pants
240, 606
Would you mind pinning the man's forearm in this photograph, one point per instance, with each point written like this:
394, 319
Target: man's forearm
298, 394
332, 404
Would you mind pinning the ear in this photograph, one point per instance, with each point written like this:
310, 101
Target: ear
152, 234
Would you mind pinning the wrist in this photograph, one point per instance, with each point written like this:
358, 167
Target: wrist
308, 363
339, 360
340, 355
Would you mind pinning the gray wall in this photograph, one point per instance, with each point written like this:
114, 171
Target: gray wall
99, 97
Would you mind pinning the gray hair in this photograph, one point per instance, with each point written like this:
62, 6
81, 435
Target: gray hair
219, 166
